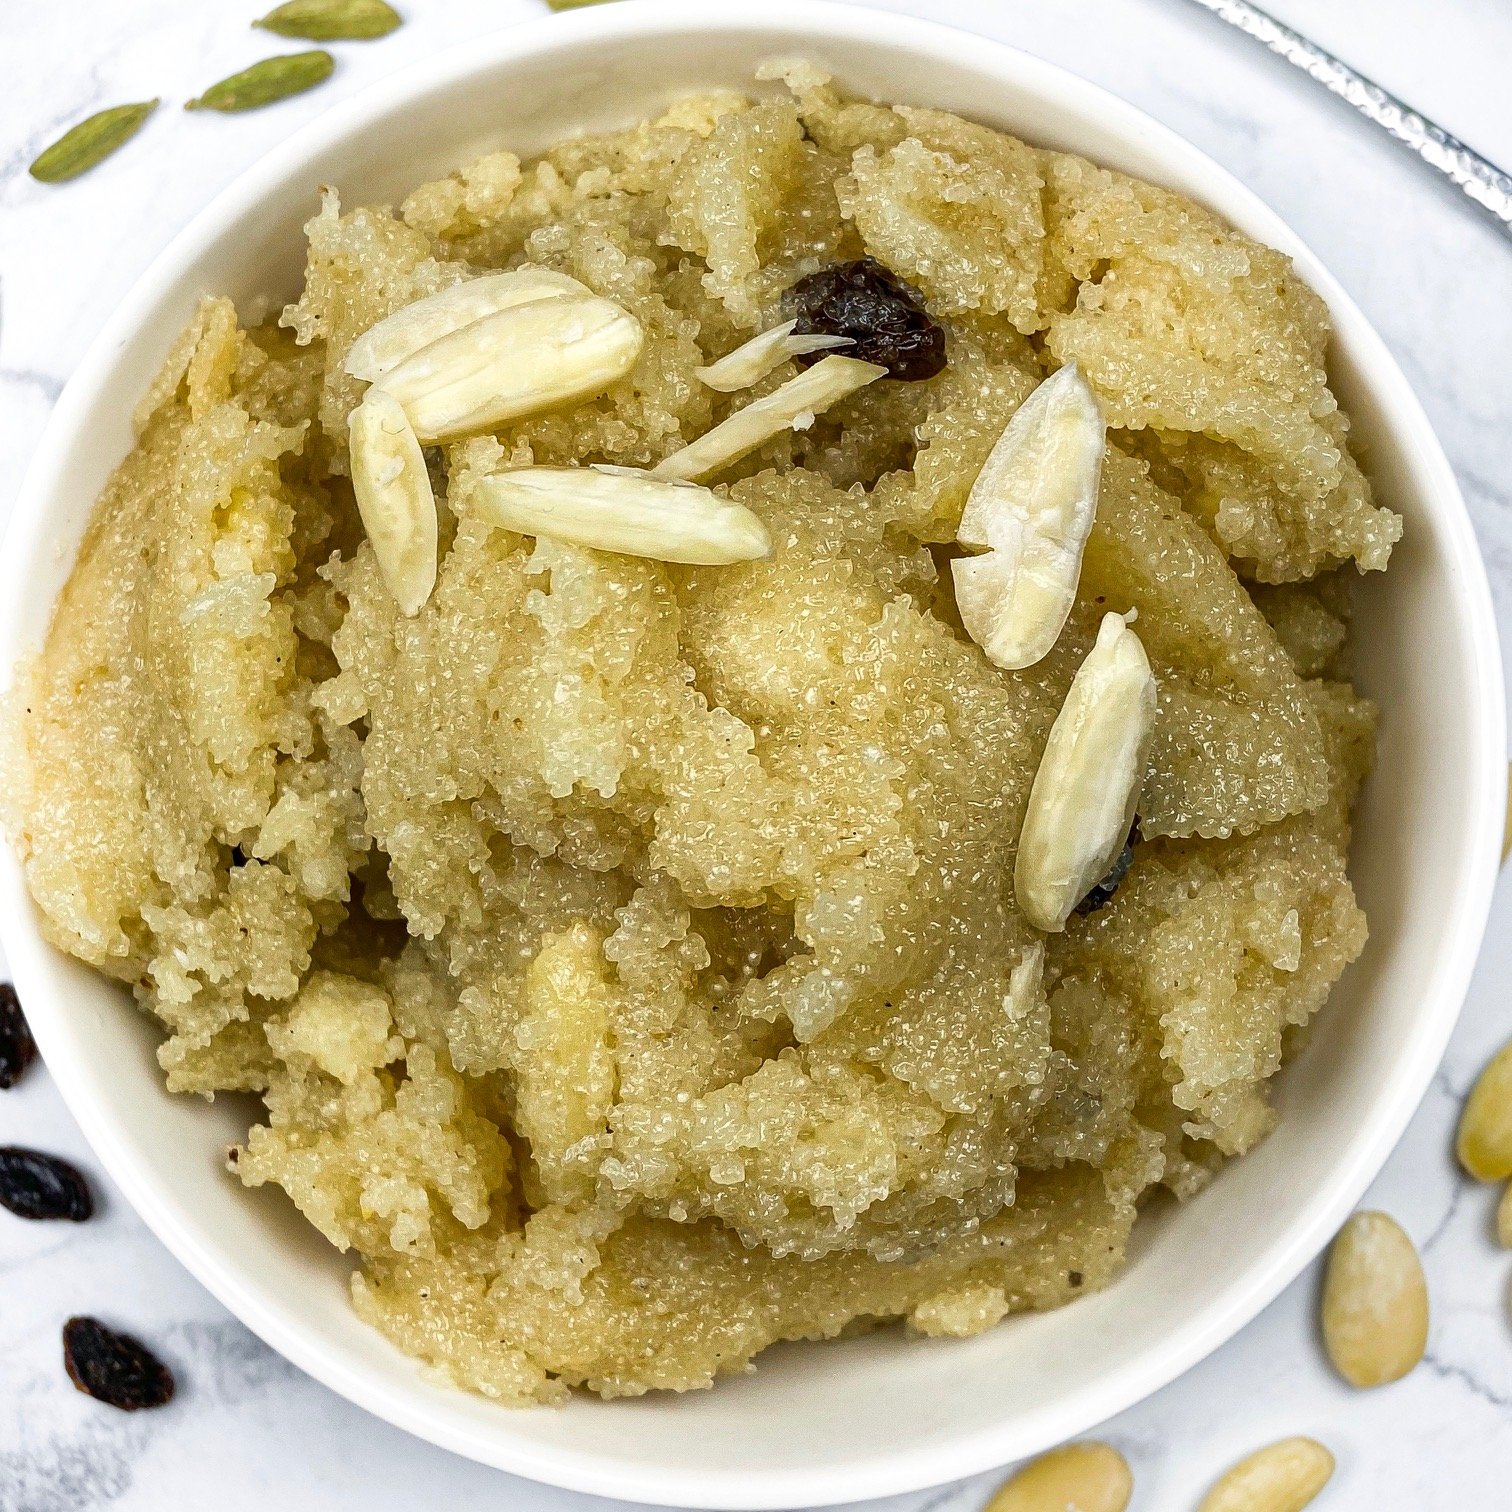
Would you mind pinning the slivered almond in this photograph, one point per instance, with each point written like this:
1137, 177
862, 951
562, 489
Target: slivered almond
1029, 513
829, 380
381, 348
1504, 1218
1282, 1477
394, 498
619, 509
517, 361
1086, 789
763, 354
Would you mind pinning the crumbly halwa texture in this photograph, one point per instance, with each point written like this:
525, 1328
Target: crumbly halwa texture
627, 953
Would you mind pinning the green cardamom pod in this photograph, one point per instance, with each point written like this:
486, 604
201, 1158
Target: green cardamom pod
90, 142
266, 82
559, 5
332, 20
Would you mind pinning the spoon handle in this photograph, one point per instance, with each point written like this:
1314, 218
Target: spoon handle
1485, 183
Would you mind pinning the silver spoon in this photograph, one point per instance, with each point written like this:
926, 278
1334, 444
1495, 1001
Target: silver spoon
1485, 183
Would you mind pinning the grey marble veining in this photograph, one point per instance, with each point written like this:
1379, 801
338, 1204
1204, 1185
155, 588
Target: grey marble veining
248, 1431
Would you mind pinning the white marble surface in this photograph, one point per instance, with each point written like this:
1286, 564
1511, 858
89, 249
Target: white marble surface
248, 1431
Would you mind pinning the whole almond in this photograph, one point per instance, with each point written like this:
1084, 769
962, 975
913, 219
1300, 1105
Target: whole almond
1375, 1302
1282, 1477
1485, 1131
1507, 822
517, 361
1088, 1477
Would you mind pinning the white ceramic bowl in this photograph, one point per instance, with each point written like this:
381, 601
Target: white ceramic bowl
877, 1415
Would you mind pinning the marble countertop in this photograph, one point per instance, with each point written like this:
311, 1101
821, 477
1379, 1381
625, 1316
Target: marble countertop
248, 1430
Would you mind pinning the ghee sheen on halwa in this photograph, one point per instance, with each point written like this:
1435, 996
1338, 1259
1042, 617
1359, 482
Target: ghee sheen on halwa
626, 953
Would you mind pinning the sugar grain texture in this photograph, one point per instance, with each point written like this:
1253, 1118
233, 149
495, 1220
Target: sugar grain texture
626, 954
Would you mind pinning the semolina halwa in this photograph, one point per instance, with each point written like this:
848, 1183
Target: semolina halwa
627, 953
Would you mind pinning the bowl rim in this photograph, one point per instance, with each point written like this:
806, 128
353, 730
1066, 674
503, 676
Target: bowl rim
909, 1470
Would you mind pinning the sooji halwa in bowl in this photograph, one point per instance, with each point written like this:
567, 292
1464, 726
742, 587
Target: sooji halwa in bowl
634, 759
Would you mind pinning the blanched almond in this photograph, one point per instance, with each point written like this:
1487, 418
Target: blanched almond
381, 348
1375, 1302
1485, 1131
829, 380
1089, 1477
1029, 513
1282, 1477
394, 498
517, 361
616, 509
1507, 822
1086, 789
763, 354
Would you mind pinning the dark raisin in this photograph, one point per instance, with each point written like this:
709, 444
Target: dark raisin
17, 1047
1102, 894
884, 318
33, 1185
113, 1367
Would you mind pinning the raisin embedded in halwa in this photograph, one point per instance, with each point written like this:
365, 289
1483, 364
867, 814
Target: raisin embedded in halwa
1106, 890
624, 944
881, 316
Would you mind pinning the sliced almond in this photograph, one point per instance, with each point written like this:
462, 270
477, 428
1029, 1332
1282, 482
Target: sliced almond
381, 348
1485, 1131
1086, 789
394, 498
1375, 1302
1504, 1218
829, 380
618, 509
1089, 1477
764, 354
517, 361
1282, 1477
1029, 513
